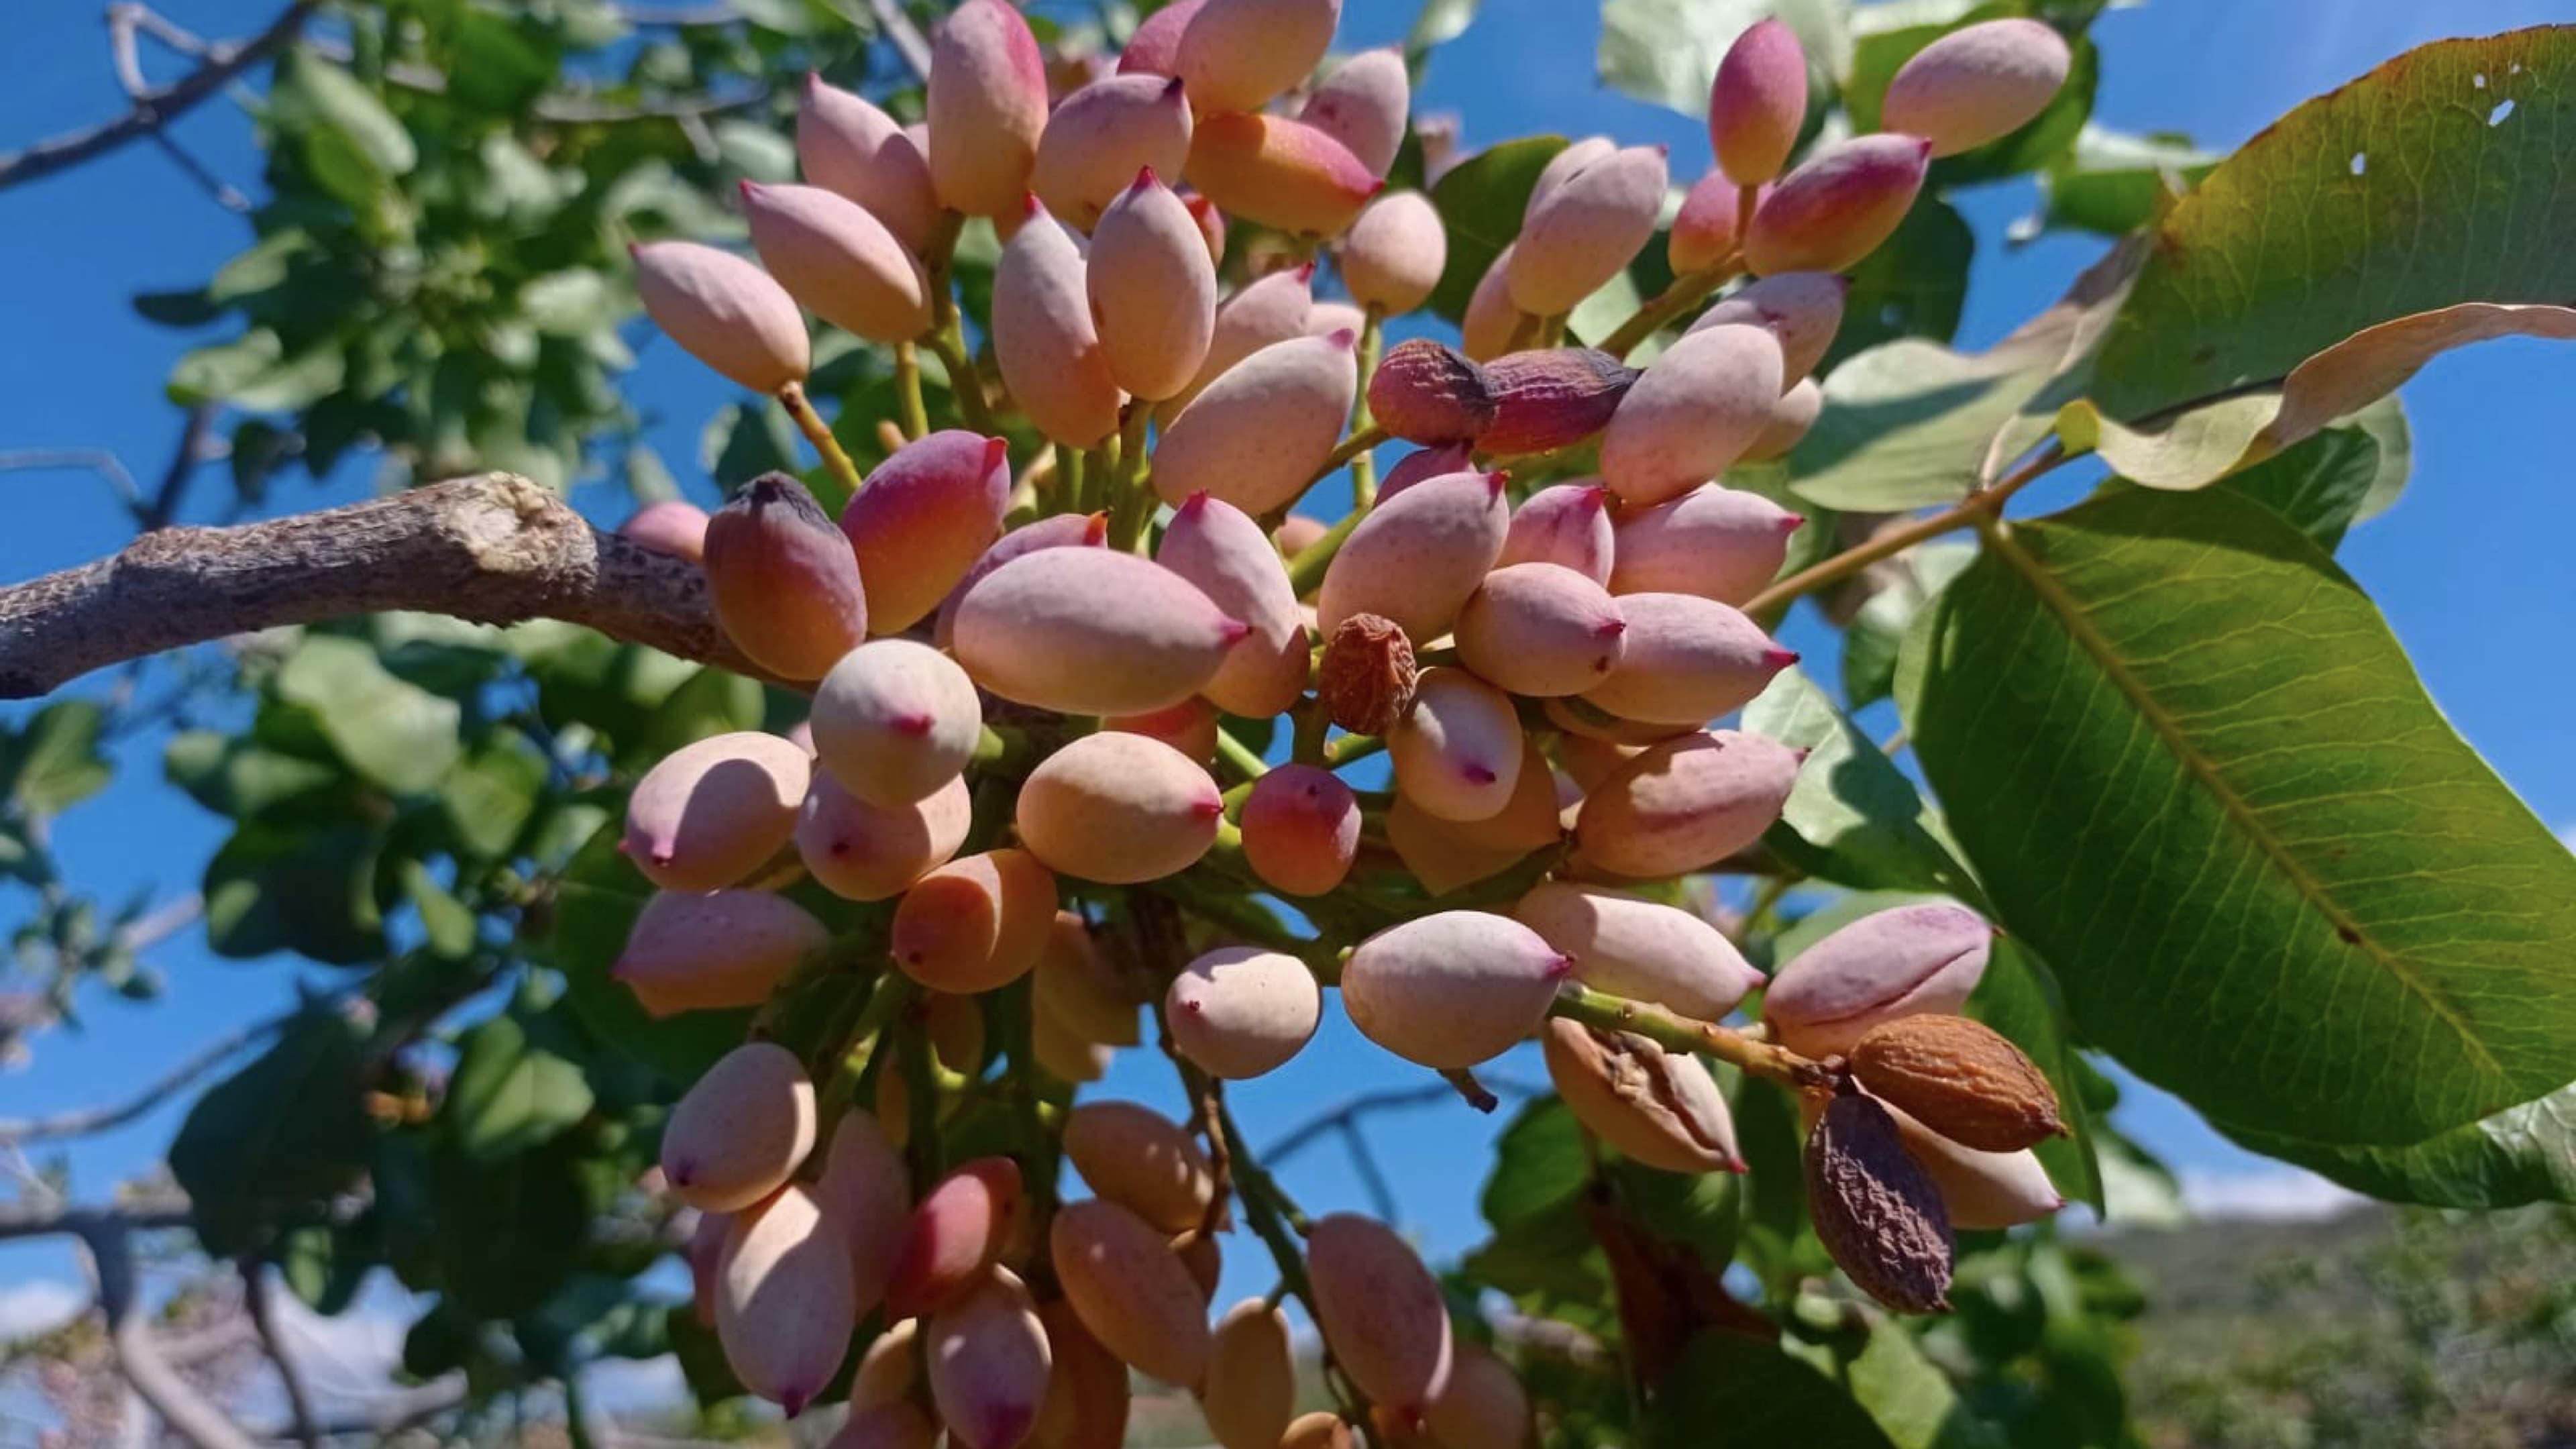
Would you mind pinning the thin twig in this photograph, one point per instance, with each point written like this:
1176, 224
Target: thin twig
1369, 1104
155, 109
110, 1237
904, 35
87, 1121
196, 445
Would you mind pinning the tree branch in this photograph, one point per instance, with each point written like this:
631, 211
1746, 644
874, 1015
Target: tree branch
189, 1414
259, 1302
154, 109
88, 1120
493, 549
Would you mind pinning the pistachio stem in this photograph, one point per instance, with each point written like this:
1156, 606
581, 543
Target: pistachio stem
1239, 757
1306, 570
1974, 509
907, 387
1684, 294
1682, 1034
1130, 502
1363, 466
1351, 447
810, 423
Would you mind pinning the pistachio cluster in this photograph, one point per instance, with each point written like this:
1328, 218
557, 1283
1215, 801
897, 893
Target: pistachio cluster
1022, 683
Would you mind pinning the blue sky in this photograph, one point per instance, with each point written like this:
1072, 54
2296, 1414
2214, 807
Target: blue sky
2470, 568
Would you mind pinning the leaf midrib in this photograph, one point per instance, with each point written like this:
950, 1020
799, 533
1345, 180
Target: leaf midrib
2080, 627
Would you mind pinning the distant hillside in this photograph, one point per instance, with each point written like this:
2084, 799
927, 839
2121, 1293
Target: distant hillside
2376, 1329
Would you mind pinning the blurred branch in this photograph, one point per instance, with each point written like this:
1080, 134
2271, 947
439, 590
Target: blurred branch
95, 460
493, 549
44, 1220
905, 36
197, 444
259, 1301
161, 1385
1351, 1111
89, 1120
156, 108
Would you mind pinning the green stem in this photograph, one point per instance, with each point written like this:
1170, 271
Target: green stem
915, 1055
810, 423
1306, 570
1131, 502
1239, 757
1073, 477
1364, 467
1681, 1034
1975, 509
1671, 302
1001, 749
964, 383
1351, 447
907, 387
1351, 747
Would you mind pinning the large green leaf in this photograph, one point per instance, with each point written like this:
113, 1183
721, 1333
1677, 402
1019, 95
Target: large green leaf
1915, 1404
276, 1139
2520, 1155
2110, 182
1759, 1395
54, 762
397, 734
511, 1091
1480, 201
2318, 486
2436, 179
2020, 997
1853, 817
1666, 51
492, 793
507, 1230
2194, 770
303, 888
1914, 285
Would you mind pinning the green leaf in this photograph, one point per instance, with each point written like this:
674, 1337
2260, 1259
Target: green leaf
302, 888
55, 761
176, 309
2520, 1155
1480, 201
569, 303
2318, 486
2020, 998
449, 925
1914, 285
2195, 772
2414, 188
326, 1265
1911, 422
595, 906
1853, 818
1871, 640
234, 775
215, 372
1915, 1404
325, 94
1761, 1395
507, 1230
2112, 182
510, 1092
396, 734
1703, 1211
1666, 51
1538, 1163
1439, 22
276, 1139
492, 793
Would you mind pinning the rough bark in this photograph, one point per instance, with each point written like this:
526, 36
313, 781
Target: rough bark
493, 549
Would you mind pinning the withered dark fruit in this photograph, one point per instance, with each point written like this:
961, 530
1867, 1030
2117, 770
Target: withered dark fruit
1876, 1210
1429, 392
1367, 676
1552, 399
